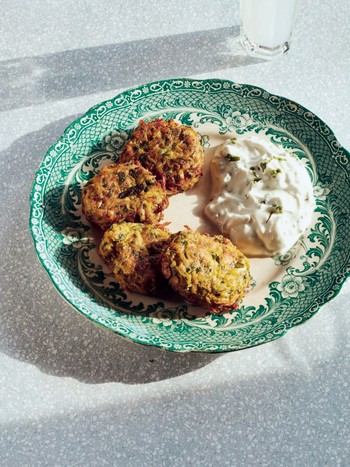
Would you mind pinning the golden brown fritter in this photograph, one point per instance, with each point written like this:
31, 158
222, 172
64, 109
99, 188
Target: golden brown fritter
207, 271
124, 192
169, 150
133, 253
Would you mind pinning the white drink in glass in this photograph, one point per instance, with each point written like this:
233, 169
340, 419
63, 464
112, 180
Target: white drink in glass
267, 26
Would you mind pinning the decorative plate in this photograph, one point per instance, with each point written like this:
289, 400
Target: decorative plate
286, 290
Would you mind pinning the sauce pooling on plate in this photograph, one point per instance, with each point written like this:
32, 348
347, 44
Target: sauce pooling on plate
262, 196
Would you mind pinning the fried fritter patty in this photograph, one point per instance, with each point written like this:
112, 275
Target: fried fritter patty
207, 271
133, 253
124, 192
169, 150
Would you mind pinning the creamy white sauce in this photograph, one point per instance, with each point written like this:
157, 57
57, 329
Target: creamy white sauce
262, 196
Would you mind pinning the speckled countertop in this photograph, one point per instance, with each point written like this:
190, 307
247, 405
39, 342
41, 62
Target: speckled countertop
74, 394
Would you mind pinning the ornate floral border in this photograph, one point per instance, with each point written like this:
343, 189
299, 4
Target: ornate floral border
159, 325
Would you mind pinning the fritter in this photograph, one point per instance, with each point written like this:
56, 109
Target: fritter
208, 271
169, 150
124, 192
132, 251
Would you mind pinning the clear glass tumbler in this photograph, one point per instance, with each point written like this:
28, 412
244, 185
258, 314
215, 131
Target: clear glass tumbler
267, 26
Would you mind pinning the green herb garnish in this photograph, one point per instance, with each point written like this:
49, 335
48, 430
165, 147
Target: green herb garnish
275, 172
231, 157
276, 209
279, 158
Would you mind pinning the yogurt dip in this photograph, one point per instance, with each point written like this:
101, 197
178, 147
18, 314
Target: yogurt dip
262, 196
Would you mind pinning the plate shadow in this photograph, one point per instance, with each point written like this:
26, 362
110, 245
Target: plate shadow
36, 325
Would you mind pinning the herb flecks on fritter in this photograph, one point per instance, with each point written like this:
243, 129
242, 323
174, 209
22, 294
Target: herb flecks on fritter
132, 251
208, 271
169, 150
124, 192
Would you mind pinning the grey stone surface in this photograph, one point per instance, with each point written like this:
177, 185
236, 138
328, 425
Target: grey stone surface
75, 394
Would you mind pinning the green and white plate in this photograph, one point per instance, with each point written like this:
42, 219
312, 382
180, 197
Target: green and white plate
286, 290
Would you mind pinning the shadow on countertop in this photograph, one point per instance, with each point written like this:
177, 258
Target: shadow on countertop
36, 325
72, 73
272, 420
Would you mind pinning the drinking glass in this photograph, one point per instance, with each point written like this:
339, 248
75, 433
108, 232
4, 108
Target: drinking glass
267, 26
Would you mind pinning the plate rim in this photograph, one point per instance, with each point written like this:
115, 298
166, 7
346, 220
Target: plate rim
338, 280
